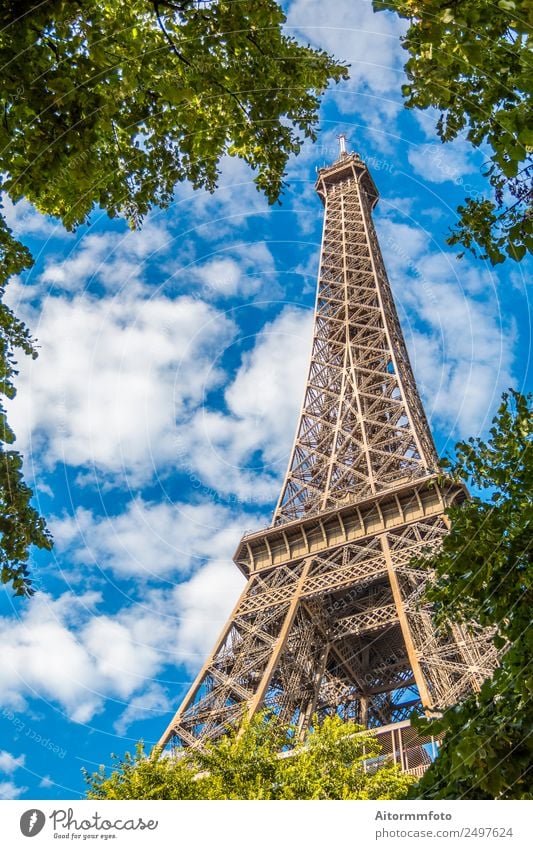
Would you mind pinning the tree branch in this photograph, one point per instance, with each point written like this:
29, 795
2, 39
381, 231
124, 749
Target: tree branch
168, 37
182, 58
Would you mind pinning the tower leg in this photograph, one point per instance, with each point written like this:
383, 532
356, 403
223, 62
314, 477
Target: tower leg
260, 693
340, 632
404, 625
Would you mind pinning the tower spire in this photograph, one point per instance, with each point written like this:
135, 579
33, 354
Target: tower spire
362, 426
342, 145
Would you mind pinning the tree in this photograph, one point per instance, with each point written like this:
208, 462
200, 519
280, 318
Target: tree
113, 104
484, 574
471, 60
20, 524
247, 765
116, 102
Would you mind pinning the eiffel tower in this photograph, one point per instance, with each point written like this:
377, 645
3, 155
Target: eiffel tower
332, 620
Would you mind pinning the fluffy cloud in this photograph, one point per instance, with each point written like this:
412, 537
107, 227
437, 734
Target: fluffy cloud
370, 43
204, 603
9, 790
356, 34
113, 259
9, 763
75, 659
150, 541
153, 702
440, 163
237, 270
62, 650
244, 449
112, 376
268, 388
214, 217
461, 347
221, 275
23, 218
41, 656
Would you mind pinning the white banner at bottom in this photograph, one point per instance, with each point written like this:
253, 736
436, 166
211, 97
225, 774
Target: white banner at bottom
263, 825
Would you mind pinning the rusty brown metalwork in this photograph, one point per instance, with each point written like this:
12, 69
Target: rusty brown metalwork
332, 618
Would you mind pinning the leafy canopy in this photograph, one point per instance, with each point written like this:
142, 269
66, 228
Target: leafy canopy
484, 574
471, 60
113, 103
247, 765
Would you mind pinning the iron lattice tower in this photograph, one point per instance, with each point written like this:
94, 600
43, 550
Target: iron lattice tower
330, 619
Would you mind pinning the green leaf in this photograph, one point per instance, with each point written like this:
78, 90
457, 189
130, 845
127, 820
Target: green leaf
516, 252
483, 573
471, 62
525, 136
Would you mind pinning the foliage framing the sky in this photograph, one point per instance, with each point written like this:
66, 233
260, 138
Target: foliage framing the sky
483, 574
20, 524
113, 103
472, 62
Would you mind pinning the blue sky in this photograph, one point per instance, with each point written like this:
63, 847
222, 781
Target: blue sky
157, 421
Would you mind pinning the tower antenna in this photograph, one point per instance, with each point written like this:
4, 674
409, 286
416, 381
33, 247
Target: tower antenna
342, 145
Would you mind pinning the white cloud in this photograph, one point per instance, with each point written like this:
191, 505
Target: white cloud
112, 376
124, 649
41, 656
150, 540
440, 163
9, 763
9, 790
205, 603
62, 650
427, 120
269, 385
433, 212
59, 650
154, 702
394, 205
404, 243
114, 259
23, 218
460, 345
222, 275
356, 34
214, 217
243, 269
245, 450
370, 43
